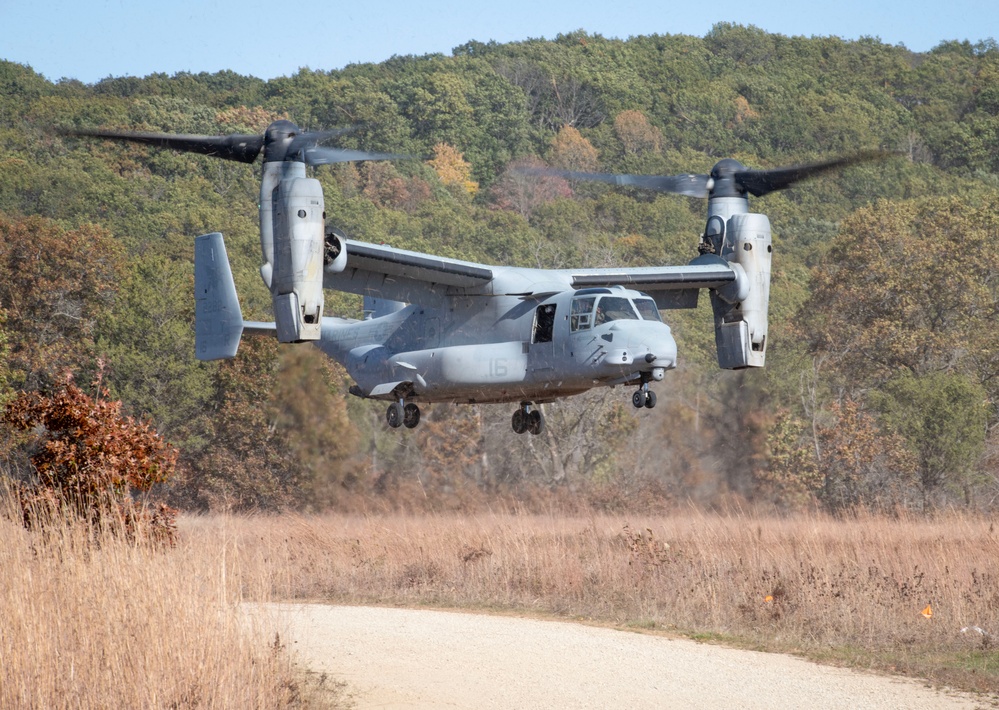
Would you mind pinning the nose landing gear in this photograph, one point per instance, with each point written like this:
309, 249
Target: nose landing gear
644, 397
399, 414
527, 419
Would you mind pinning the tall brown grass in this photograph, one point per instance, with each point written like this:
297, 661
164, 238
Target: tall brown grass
843, 590
90, 620
127, 626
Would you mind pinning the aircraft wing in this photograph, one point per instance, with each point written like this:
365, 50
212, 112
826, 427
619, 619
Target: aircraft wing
670, 286
394, 274
381, 271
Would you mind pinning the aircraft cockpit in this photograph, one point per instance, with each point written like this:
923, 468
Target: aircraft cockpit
592, 307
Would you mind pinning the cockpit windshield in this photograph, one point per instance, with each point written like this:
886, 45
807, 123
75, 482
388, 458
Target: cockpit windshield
588, 311
648, 309
614, 308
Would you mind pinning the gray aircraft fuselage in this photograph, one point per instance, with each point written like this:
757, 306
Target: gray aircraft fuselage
487, 348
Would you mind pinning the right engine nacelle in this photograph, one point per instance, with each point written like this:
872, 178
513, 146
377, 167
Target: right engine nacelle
741, 309
334, 251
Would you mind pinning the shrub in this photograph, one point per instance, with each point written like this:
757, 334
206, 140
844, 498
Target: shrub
88, 458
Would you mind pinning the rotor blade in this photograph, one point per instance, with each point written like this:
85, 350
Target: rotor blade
243, 148
320, 155
762, 182
690, 185
312, 138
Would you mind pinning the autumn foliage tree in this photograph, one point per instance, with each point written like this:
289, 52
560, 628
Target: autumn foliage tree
791, 472
88, 458
452, 169
56, 284
636, 134
858, 462
903, 312
910, 287
522, 188
570, 150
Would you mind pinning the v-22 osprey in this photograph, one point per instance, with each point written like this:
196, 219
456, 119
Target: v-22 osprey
445, 330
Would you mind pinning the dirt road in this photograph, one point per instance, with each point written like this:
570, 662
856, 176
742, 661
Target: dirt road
402, 658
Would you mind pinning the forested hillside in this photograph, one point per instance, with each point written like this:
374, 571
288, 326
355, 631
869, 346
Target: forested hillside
882, 382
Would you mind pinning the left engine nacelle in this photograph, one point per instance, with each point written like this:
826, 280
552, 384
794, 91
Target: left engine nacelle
297, 279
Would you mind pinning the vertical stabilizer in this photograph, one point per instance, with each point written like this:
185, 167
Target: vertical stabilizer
218, 321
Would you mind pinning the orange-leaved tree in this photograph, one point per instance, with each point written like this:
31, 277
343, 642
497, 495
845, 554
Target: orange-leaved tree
88, 458
452, 168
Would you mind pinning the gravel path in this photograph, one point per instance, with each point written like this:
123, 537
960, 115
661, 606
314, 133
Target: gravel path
403, 658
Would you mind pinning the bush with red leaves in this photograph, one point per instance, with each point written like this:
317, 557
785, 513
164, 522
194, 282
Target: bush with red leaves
89, 458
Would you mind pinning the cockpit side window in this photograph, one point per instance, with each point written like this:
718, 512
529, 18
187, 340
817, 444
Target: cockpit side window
614, 308
581, 317
648, 309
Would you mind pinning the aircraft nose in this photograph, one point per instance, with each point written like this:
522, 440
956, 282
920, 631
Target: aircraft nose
644, 345
652, 345
661, 350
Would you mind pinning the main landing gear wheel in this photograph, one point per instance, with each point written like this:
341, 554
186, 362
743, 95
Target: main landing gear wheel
411, 416
527, 419
535, 422
394, 415
400, 413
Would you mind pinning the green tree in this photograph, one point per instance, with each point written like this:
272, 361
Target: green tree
943, 416
307, 411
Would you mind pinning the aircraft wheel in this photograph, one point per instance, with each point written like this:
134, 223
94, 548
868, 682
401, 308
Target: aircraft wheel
535, 422
411, 416
639, 399
394, 415
650, 400
519, 421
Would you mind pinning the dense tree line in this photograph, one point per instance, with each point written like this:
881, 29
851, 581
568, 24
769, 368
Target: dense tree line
883, 377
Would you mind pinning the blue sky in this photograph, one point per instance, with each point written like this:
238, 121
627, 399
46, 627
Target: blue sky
93, 39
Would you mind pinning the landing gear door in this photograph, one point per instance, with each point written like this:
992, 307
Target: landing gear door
542, 348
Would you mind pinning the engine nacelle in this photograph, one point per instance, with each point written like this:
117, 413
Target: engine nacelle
297, 277
334, 251
741, 308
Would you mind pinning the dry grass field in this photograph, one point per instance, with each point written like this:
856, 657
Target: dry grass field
843, 591
124, 626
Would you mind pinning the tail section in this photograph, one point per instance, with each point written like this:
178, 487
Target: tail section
218, 321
